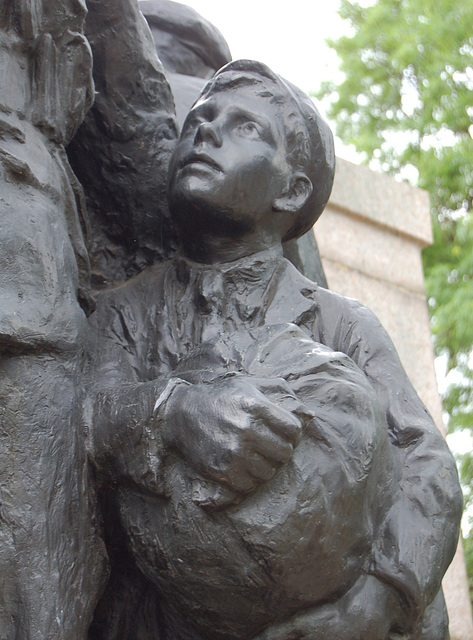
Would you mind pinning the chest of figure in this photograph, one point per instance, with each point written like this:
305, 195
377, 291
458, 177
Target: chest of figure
300, 538
297, 541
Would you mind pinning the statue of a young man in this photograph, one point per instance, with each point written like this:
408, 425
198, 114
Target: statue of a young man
273, 469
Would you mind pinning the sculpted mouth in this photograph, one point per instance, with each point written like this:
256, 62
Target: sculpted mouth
200, 158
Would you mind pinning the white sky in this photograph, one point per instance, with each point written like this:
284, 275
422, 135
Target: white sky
289, 37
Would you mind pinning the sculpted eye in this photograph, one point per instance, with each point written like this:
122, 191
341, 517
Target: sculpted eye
191, 123
249, 130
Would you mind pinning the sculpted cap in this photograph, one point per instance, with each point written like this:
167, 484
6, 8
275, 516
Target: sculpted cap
309, 140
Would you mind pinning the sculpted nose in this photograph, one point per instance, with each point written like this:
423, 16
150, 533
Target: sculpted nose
208, 132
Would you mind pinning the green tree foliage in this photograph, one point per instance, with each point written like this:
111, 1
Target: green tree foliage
406, 104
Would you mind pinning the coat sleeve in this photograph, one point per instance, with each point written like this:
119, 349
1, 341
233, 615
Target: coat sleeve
419, 535
123, 444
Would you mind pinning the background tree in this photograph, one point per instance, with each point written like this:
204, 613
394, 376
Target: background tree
406, 104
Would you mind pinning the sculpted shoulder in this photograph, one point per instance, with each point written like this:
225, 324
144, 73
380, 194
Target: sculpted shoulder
147, 285
124, 311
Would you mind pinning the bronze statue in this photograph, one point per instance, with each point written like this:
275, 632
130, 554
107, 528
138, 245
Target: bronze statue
260, 466
264, 469
190, 48
52, 561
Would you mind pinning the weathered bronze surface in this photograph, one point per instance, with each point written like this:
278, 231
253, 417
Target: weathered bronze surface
209, 445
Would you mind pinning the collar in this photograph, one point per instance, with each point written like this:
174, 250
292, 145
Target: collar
241, 284
244, 274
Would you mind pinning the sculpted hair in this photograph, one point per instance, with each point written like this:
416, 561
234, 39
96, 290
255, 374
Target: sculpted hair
309, 140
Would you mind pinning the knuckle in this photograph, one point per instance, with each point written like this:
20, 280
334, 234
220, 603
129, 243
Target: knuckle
285, 452
283, 386
294, 428
250, 403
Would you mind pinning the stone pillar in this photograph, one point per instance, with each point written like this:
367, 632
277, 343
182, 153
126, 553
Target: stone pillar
370, 239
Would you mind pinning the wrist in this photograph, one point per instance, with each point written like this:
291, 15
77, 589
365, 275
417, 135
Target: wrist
162, 421
160, 404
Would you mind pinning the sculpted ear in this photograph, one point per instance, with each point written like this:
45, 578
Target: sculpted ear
295, 197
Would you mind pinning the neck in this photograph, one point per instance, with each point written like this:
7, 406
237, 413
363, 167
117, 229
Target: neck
207, 248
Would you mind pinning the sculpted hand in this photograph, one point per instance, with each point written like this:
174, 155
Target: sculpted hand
235, 432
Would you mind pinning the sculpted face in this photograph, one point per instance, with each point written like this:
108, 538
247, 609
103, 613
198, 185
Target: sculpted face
229, 167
